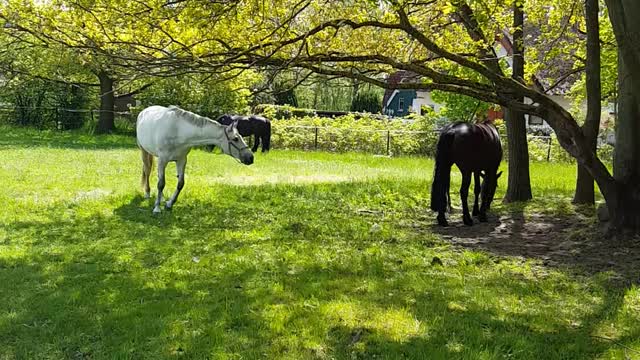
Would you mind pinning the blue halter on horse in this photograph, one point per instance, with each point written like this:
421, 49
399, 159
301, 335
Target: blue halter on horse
475, 149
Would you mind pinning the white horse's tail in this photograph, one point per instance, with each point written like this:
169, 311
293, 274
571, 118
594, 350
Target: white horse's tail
147, 165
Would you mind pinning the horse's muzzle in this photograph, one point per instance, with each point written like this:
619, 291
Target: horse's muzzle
247, 159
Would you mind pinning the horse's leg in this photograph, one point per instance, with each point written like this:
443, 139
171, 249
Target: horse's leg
449, 208
464, 193
162, 165
147, 162
180, 166
442, 219
256, 142
476, 191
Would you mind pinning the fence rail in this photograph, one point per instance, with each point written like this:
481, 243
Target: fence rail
294, 136
55, 118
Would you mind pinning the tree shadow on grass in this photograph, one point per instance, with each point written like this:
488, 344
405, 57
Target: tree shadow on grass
97, 308
570, 242
267, 284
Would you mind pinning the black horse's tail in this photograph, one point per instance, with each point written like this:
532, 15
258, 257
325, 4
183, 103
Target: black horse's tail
442, 173
266, 137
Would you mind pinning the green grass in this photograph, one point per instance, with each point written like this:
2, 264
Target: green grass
278, 260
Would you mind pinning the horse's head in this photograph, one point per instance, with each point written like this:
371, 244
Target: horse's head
233, 144
489, 185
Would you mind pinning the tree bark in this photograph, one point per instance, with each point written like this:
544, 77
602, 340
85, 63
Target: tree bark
106, 123
585, 193
624, 201
623, 15
519, 182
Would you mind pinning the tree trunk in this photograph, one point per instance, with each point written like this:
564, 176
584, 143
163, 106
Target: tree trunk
519, 183
584, 183
106, 123
623, 15
623, 202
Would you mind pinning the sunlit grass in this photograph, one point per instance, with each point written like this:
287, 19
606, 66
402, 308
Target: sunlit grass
299, 256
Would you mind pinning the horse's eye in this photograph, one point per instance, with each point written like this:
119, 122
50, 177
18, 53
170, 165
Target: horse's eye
236, 139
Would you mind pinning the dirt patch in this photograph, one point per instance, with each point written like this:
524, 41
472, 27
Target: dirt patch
568, 242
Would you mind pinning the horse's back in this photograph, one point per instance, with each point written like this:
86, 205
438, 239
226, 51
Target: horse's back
153, 126
247, 125
150, 116
475, 146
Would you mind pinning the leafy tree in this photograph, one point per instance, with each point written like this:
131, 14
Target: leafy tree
200, 94
585, 193
459, 107
41, 103
367, 101
285, 95
335, 44
322, 92
449, 44
519, 182
95, 38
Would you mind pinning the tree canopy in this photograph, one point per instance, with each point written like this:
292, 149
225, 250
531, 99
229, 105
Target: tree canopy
464, 47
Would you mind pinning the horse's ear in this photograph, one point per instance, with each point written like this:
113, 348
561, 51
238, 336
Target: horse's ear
482, 174
498, 175
234, 124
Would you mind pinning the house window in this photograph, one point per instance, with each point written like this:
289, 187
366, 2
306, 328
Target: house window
534, 120
401, 105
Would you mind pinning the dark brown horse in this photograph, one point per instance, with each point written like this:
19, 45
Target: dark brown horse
255, 125
475, 149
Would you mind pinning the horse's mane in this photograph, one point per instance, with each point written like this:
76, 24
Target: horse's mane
192, 118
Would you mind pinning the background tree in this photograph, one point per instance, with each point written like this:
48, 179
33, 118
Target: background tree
519, 181
585, 193
367, 101
460, 107
201, 94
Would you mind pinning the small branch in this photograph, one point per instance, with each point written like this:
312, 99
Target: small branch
135, 92
564, 77
617, 343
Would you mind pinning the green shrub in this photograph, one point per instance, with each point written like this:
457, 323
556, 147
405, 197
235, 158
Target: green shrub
364, 133
282, 112
368, 101
43, 104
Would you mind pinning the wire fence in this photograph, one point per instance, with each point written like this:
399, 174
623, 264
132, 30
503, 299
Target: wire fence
390, 142
58, 118
387, 142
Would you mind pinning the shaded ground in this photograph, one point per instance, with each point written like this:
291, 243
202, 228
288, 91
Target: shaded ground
568, 242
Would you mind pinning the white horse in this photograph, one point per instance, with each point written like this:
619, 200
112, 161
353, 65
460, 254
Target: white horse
170, 133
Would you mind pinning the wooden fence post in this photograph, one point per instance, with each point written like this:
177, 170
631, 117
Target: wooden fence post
315, 141
389, 142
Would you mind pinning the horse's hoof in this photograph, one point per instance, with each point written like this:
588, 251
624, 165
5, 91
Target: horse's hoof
483, 218
168, 206
475, 212
467, 221
443, 223
156, 210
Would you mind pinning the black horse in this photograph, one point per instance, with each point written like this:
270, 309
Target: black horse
475, 149
250, 125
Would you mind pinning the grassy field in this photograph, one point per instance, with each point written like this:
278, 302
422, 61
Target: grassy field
299, 256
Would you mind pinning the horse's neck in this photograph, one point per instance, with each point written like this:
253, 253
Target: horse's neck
208, 134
